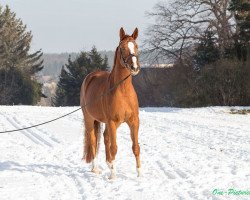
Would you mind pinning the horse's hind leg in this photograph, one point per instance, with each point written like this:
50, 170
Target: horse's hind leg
97, 129
91, 142
133, 124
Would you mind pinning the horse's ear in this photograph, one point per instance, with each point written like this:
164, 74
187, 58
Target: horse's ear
135, 33
122, 33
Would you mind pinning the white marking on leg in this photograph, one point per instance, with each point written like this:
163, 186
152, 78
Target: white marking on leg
131, 47
138, 169
112, 170
94, 163
95, 167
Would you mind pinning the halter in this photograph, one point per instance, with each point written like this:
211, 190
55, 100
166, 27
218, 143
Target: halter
125, 63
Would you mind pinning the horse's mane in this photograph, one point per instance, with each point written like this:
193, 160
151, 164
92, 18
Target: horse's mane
115, 57
113, 68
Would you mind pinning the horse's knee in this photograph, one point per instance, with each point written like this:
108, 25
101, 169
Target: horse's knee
136, 149
106, 139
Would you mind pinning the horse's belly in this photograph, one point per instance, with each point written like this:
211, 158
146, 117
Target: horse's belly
96, 112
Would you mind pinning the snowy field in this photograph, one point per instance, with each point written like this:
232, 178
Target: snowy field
185, 154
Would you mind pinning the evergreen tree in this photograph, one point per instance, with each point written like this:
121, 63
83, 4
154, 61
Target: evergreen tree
16, 63
241, 9
206, 51
23, 89
73, 74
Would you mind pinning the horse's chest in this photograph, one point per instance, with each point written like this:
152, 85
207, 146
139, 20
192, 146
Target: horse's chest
122, 109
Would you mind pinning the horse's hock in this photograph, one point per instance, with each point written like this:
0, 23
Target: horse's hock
151, 85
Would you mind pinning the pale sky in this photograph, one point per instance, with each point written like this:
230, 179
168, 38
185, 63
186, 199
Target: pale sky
74, 25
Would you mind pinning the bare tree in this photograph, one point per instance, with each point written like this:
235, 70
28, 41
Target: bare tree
179, 24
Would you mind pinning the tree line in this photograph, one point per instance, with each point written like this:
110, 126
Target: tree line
208, 42
53, 62
73, 74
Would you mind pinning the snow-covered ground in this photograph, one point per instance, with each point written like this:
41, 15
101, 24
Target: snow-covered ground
185, 153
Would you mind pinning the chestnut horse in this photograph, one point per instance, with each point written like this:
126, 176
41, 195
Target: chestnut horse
118, 106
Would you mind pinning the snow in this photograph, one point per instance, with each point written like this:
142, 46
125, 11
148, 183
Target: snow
185, 154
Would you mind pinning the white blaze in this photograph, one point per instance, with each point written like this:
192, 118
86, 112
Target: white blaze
131, 47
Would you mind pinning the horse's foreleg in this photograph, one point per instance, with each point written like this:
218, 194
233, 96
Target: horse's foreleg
95, 167
107, 144
133, 124
113, 148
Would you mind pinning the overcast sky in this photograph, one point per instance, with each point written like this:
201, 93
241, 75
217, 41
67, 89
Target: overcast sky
74, 25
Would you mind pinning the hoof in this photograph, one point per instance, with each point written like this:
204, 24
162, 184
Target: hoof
139, 175
96, 171
112, 177
111, 166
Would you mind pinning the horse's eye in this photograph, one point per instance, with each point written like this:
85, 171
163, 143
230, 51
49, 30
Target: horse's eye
123, 51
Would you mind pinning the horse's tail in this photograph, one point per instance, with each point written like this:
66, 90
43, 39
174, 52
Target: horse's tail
92, 142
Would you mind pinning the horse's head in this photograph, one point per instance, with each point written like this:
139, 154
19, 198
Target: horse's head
129, 51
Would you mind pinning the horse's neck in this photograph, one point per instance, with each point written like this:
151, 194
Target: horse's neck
119, 73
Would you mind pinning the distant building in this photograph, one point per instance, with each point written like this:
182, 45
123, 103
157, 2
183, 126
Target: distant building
159, 65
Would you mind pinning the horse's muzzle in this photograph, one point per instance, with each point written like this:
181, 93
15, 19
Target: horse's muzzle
135, 71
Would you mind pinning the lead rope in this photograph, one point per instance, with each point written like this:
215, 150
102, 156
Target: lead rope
86, 104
